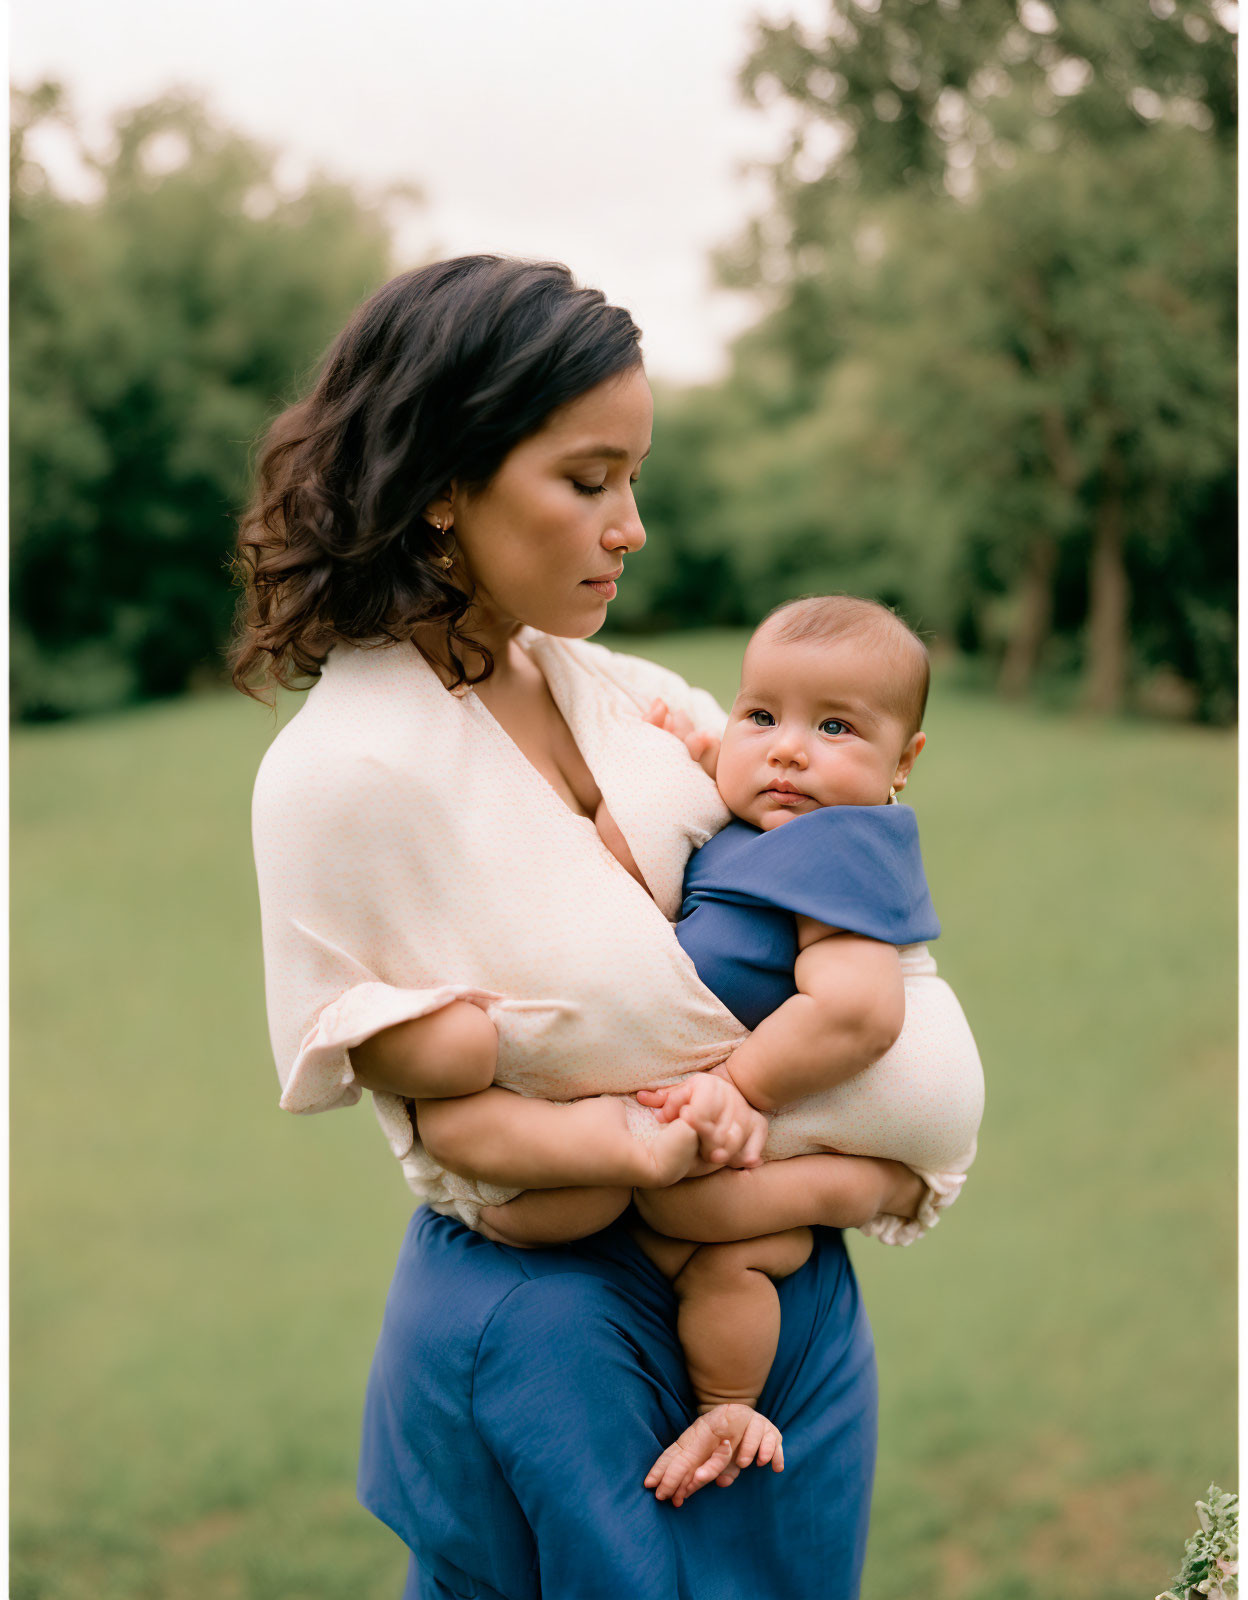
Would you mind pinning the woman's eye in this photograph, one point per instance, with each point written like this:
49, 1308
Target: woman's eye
833, 726
589, 488
766, 719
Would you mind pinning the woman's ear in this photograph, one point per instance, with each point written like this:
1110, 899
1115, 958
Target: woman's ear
441, 510
908, 757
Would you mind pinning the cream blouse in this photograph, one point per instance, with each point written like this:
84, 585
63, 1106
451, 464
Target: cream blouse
408, 854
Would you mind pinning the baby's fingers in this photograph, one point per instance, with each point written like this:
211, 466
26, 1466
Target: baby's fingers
657, 714
752, 1153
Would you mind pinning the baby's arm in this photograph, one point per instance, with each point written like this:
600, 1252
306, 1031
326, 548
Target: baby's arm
847, 1013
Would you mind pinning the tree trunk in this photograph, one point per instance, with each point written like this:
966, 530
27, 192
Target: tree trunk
1108, 594
1035, 590
1035, 618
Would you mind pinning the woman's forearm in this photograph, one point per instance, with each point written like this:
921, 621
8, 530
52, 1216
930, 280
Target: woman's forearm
521, 1143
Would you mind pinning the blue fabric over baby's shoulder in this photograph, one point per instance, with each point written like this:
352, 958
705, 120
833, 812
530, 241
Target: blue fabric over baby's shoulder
858, 868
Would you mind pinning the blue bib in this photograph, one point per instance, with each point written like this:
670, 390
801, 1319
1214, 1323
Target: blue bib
857, 868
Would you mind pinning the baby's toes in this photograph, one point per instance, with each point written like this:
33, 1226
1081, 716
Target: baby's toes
770, 1447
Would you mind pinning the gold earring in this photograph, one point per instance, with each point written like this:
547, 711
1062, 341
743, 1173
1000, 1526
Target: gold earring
448, 561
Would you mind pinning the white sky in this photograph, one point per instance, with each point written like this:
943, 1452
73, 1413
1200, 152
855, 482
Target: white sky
606, 135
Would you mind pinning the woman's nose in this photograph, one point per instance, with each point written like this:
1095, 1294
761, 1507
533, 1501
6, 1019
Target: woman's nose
626, 533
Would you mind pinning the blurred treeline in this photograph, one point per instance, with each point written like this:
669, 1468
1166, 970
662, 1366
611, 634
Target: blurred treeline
992, 378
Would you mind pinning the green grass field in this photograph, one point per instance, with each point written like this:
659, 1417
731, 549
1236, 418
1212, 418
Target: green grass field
198, 1280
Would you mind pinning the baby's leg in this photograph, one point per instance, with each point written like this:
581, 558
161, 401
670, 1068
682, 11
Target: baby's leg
521, 1143
833, 1191
729, 1326
554, 1216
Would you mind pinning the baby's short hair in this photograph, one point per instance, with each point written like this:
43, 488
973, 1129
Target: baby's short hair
824, 617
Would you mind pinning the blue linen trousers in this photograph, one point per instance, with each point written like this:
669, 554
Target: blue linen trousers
517, 1399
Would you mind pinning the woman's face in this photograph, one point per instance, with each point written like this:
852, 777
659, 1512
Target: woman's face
545, 540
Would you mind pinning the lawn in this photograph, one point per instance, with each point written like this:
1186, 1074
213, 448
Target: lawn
197, 1280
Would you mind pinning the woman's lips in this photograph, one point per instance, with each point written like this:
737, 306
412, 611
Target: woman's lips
603, 586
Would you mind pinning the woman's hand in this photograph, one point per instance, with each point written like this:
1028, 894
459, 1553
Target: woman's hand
730, 1131
703, 747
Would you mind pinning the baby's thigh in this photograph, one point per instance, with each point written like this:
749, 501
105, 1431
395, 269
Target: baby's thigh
731, 1205
540, 1217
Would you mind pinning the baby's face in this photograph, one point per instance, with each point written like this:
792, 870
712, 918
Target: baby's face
809, 729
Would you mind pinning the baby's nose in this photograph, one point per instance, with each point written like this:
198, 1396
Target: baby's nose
789, 749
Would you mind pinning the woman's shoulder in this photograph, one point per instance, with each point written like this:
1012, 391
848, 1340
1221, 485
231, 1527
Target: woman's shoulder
372, 710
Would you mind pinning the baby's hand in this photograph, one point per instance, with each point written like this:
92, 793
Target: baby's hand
703, 747
729, 1129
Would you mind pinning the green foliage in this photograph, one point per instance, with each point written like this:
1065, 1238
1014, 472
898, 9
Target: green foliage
1211, 1555
198, 1279
155, 328
994, 382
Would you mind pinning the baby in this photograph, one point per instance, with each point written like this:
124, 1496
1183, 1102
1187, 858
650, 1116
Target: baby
806, 917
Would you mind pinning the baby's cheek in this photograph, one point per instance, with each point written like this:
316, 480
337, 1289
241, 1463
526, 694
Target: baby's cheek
732, 779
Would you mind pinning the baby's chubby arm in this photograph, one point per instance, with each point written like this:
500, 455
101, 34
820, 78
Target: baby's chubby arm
847, 1013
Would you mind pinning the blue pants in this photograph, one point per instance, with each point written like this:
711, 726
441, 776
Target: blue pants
518, 1398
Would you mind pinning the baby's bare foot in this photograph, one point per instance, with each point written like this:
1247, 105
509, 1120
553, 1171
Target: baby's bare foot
666, 1157
716, 1447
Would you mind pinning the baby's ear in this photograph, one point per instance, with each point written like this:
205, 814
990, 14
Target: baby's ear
911, 753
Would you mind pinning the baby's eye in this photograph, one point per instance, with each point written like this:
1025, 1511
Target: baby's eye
833, 726
767, 719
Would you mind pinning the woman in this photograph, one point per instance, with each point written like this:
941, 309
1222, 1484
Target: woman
465, 836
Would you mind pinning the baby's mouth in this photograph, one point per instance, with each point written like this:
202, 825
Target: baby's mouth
784, 794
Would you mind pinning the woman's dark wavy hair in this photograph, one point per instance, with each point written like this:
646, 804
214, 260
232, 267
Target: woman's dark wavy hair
436, 378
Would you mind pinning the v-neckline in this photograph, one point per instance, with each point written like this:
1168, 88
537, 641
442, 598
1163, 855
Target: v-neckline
470, 695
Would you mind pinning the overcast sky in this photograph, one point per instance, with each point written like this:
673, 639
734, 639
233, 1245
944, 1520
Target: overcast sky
606, 135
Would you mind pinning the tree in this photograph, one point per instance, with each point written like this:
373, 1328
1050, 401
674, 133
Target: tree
154, 330
998, 274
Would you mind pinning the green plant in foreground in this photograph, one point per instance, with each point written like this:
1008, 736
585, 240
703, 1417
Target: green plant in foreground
1210, 1557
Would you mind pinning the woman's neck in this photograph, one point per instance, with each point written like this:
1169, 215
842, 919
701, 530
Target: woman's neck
482, 633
